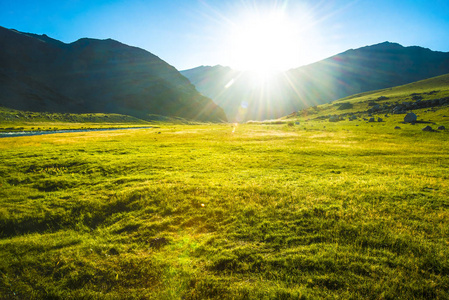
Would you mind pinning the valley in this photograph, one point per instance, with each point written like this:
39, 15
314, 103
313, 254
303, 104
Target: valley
326, 181
294, 208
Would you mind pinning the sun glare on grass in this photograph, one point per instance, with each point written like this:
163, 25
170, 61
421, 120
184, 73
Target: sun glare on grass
265, 43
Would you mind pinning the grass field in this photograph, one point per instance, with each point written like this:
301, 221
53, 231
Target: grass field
426, 90
12, 120
217, 211
302, 209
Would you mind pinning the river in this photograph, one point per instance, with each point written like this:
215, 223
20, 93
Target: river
42, 132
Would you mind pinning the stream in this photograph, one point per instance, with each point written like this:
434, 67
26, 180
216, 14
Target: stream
42, 132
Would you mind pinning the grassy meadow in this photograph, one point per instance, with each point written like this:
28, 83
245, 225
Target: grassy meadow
425, 90
305, 209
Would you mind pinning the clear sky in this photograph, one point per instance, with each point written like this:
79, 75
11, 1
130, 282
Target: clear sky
237, 33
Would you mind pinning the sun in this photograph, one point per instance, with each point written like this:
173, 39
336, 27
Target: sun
264, 42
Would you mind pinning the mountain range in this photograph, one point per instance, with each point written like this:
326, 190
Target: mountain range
369, 68
38, 73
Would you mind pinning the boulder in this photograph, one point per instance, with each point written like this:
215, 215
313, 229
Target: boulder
380, 120
376, 107
371, 120
397, 127
441, 128
427, 128
410, 118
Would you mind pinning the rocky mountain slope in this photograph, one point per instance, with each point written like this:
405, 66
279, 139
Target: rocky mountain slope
38, 73
354, 71
425, 101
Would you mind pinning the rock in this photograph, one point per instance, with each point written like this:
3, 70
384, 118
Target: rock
427, 128
371, 120
397, 127
410, 118
441, 128
382, 98
379, 120
399, 109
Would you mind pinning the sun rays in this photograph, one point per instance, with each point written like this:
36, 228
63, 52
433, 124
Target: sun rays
269, 39
264, 43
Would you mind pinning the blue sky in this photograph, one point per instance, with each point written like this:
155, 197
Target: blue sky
190, 33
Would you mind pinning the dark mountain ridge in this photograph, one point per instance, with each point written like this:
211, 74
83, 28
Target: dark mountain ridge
38, 73
354, 71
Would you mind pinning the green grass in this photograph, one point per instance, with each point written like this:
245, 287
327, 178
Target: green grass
429, 89
298, 208
12, 120
201, 212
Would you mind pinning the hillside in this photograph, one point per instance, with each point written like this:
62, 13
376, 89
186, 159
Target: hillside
38, 73
354, 71
428, 98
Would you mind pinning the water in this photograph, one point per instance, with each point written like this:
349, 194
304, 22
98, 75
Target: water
42, 132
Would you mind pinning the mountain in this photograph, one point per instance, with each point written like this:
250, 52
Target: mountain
354, 71
38, 73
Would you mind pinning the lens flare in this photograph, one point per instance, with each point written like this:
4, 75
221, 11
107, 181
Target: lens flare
265, 41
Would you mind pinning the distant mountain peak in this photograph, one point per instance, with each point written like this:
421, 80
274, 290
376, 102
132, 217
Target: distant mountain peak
389, 46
